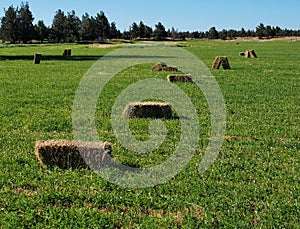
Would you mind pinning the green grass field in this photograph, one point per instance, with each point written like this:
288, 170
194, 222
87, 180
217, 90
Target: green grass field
253, 184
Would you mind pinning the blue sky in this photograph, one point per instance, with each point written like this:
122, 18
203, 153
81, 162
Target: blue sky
183, 15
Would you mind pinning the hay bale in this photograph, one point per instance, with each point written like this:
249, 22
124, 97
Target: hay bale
225, 63
217, 63
180, 78
252, 54
162, 66
67, 52
221, 60
148, 110
37, 58
170, 69
69, 154
247, 54
159, 66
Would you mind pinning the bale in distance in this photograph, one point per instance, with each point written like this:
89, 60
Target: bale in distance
185, 78
221, 60
69, 154
155, 110
170, 69
250, 54
162, 66
37, 58
67, 52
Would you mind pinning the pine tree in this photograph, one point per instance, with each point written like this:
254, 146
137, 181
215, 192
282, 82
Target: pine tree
25, 23
142, 30
261, 30
41, 31
114, 32
159, 32
85, 31
102, 26
9, 28
72, 27
134, 31
58, 31
213, 33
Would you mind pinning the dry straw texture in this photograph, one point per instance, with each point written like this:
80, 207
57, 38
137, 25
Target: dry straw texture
148, 110
221, 60
250, 54
186, 78
162, 66
69, 154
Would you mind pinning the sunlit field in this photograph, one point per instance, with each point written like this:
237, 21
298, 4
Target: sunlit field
254, 182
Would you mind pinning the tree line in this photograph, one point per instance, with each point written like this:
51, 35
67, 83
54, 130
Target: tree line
17, 26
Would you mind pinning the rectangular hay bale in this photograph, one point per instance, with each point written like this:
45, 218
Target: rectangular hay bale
162, 66
148, 110
73, 154
180, 78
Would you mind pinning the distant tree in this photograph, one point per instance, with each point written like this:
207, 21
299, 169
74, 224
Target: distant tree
213, 33
250, 33
134, 31
72, 27
102, 26
232, 34
223, 34
58, 30
142, 30
114, 32
242, 33
41, 31
261, 30
195, 35
25, 23
86, 28
159, 32
9, 25
126, 35
173, 33
270, 32
148, 31
277, 31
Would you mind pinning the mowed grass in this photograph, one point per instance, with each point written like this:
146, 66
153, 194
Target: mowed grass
254, 182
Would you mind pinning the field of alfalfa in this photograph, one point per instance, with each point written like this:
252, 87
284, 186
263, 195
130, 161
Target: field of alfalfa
253, 184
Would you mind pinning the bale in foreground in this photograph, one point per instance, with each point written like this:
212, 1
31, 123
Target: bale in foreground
185, 78
69, 154
148, 110
221, 60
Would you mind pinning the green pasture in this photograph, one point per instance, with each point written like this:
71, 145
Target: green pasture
254, 183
